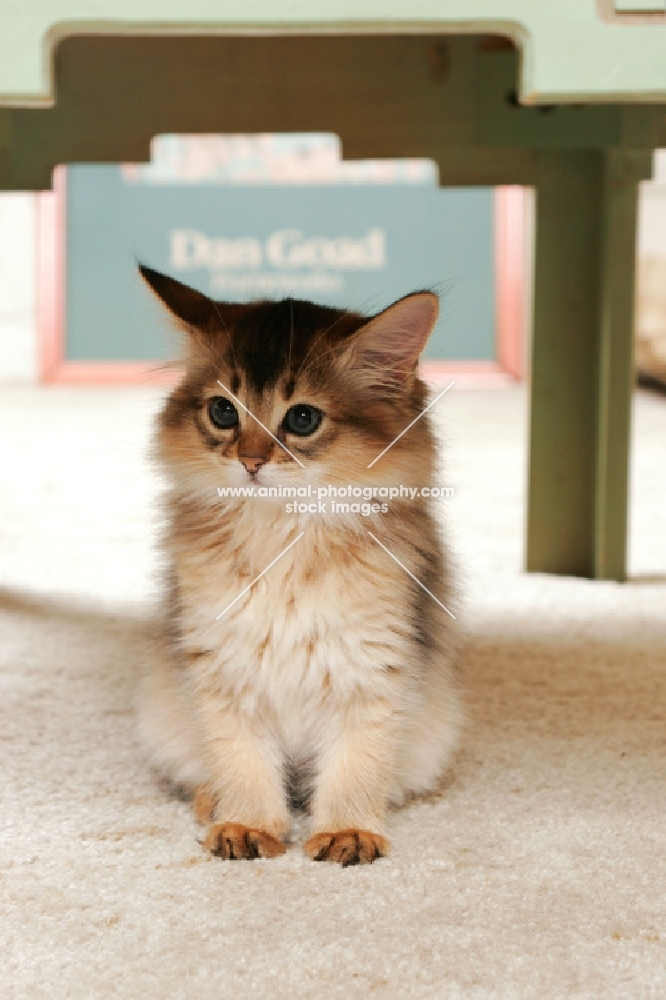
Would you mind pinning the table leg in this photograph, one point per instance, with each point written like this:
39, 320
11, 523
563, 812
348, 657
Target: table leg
582, 372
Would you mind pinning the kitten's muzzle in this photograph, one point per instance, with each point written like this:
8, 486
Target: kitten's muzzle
252, 463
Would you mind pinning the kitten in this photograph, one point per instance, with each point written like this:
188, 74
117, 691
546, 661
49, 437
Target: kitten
303, 662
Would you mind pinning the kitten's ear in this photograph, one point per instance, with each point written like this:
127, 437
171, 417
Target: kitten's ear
385, 350
192, 308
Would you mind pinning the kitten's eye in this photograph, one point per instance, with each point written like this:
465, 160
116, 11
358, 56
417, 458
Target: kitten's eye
302, 419
222, 412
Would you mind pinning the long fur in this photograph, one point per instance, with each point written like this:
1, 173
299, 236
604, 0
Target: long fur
332, 680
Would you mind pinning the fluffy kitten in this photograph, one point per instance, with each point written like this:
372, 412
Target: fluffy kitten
331, 679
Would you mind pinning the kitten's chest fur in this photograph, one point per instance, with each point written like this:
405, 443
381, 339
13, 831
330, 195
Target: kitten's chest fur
325, 625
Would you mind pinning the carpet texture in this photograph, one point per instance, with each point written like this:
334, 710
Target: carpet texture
538, 872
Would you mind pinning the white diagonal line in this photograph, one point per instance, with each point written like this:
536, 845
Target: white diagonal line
260, 423
413, 577
411, 425
259, 577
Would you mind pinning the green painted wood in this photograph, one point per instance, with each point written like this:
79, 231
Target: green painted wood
616, 368
451, 100
560, 502
379, 94
571, 49
640, 6
581, 364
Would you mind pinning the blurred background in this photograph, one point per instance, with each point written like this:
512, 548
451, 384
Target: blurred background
276, 215
244, 217
81, 339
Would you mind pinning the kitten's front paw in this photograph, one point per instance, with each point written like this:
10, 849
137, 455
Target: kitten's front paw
236, 842
348, 847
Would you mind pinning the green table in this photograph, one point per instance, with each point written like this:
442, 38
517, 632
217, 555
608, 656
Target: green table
563, 95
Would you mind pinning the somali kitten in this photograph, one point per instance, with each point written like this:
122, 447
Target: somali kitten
301, 661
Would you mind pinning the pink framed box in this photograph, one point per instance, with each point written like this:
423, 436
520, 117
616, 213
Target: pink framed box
54, 367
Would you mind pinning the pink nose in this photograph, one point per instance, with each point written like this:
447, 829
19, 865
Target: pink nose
252, 462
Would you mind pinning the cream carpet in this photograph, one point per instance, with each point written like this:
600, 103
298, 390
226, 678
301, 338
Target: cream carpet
540, 872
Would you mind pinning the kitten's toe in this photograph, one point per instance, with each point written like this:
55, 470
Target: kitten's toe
347, 847
236, 842
203, 805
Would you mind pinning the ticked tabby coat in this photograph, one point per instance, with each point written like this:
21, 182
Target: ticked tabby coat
331, 679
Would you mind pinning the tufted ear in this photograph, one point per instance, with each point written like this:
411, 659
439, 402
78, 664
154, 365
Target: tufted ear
385, 350
192, 308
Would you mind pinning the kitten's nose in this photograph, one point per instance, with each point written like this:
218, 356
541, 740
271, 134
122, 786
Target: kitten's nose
252, 462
